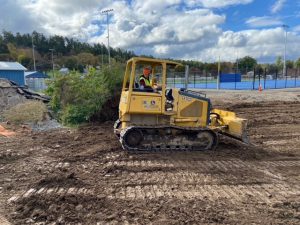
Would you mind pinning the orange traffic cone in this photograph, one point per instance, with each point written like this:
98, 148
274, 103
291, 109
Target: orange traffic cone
260, 88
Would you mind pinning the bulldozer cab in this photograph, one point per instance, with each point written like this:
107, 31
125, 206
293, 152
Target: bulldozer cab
154, 99
159, 72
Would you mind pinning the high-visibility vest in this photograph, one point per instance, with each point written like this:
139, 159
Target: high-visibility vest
148, 82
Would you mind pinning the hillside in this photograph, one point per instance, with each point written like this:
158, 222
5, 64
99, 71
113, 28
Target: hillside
68, 52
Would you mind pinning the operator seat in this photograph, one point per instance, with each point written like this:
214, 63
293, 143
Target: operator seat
169, 100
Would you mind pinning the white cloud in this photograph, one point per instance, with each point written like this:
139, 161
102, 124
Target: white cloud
158, 28
263, 21
232, 39
69, 17
296, 29
166, 27
263, 44
216, 3
277, 6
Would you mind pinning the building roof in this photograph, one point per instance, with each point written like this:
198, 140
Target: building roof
64, 69
35, 74
11, 66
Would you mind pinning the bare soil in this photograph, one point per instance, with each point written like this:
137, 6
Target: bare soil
82, 176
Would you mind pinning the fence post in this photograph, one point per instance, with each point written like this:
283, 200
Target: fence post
285, 77
276, 78
265, 77
296, 73
235, 81
186, 77
295, 77
253, 79
206, 79
259, 78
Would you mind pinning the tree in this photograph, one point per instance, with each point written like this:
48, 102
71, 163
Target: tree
3, 46
246, 64
297, 63
24, 60
71, 62
289, 64
87, 59
91, 54
8, 37
271, 68
279, 63
226, 67
13, 52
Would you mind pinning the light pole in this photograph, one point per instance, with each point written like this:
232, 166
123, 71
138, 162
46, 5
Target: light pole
33, 53
285, 27
106, 12
52, 50
237, 62
102, 54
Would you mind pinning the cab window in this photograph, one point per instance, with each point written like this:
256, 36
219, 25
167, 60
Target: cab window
155, 76
175, 77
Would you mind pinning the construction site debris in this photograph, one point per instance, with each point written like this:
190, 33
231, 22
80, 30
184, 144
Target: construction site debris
11, 94
5, 132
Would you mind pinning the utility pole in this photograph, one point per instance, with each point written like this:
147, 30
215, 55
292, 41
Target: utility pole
34, 68
52, 50
107, 12
102, 54
285, 27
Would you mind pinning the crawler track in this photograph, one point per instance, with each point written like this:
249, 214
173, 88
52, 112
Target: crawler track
168, 138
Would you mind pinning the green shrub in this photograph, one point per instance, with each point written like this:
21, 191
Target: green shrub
77, 97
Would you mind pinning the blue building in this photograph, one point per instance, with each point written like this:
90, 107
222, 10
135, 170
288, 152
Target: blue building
36, 80
13, 71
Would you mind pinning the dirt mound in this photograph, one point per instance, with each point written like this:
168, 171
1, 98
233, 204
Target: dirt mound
91, 209
64, 180
98, 209
11, 94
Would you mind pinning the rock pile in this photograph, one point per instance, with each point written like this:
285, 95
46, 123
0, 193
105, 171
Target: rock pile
11, 94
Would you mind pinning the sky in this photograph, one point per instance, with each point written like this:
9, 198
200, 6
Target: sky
204, 30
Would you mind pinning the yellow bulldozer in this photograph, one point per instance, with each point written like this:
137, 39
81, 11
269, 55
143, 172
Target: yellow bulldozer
163, 117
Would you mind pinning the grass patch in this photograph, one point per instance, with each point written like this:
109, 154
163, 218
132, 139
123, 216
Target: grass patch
28, 112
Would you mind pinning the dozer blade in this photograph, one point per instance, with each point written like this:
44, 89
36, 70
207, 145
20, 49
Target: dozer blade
229, 124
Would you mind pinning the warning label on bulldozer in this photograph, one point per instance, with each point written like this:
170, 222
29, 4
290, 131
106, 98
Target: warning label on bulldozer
150, 104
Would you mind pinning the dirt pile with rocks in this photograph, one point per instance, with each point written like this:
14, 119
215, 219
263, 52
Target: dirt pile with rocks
11, 95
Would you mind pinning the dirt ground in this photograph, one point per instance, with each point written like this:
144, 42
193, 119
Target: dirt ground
82, 176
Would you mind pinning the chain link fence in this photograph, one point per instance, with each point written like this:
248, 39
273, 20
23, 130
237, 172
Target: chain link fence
251, 80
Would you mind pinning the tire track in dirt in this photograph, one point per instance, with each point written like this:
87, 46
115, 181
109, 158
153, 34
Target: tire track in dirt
4, 221
192, 177
266, 193
212, 180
